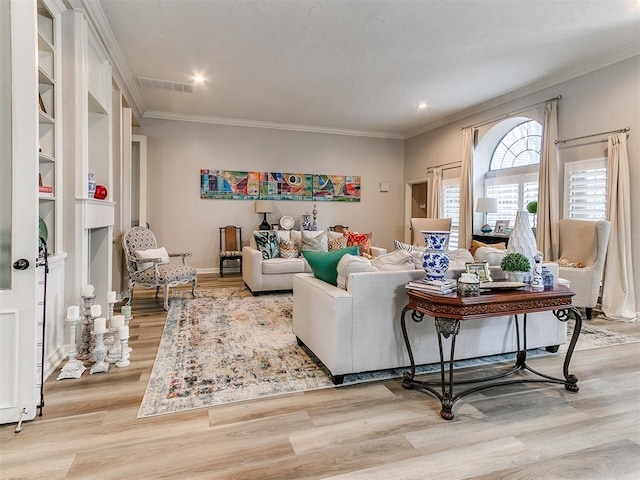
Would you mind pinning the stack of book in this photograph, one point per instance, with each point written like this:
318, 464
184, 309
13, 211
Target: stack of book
433, 286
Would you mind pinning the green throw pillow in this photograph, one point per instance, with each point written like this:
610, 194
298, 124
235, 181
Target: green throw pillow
325, 264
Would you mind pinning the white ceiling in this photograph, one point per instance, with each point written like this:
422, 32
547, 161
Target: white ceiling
359, 66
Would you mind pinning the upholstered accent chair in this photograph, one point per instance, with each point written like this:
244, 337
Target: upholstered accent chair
230, 246
150, 267
581, 256
433, 224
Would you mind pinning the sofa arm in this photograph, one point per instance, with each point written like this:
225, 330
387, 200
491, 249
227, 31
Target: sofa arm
377, 251
252, 268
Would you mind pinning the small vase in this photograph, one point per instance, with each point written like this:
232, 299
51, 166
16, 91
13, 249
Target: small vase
435, 259
306, 222
91, 193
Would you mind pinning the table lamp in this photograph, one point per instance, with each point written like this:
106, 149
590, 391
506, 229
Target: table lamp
264, 207
484, 206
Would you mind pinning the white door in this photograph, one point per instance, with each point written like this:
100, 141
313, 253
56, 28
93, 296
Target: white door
19, 376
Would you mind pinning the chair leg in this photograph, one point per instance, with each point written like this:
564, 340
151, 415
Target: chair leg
221, 268
166, 296
588, 311
129, 293
157, 290
193, 287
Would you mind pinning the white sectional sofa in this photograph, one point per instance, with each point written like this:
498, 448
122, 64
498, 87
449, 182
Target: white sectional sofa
358, 329
260, 275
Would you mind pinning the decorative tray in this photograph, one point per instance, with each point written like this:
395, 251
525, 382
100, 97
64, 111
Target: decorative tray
286, 222
502, 285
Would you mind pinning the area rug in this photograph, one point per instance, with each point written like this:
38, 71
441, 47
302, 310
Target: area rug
229, 346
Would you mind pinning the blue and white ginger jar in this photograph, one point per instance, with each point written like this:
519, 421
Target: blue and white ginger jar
435, 259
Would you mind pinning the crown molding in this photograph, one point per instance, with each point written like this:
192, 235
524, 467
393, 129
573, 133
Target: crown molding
123, 77
237, 122
574, 71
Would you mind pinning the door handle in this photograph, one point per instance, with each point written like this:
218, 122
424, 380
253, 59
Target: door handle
21, 264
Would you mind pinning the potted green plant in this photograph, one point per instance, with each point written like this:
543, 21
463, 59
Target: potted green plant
516, 265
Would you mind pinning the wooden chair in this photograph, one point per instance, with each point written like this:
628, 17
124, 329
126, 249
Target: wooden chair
230, 245
154, 271
339, 228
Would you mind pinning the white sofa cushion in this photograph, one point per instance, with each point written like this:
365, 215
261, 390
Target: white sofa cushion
396, 260
350, 264
275, 266
489, 254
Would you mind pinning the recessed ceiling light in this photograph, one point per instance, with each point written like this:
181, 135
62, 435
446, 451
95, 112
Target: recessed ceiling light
197, 78
422, 105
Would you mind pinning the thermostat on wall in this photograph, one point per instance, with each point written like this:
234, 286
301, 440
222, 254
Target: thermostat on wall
384, 186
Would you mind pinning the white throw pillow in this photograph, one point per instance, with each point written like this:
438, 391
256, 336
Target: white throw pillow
152, 253
397, 260
315, 240
296, 235
489, 254
350, 264
416, 252
459, 258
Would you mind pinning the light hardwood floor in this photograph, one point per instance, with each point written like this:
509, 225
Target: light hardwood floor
89, 428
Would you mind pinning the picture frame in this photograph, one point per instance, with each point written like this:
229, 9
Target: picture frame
481, 269
501, 226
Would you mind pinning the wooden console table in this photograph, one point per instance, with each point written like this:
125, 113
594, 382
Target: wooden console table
449, 310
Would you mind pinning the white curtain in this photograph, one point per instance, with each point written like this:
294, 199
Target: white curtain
466, 189
435, 194
618, 293
549, 184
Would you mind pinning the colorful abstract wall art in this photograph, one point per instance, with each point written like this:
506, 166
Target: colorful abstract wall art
241, 185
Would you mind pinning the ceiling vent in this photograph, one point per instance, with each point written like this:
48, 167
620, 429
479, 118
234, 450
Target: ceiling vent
165, 85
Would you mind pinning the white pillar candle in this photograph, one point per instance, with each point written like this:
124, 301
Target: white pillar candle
96, 310
126, 310
88, 291
73, 312
100, 325
117, 321
111, 297
124, 332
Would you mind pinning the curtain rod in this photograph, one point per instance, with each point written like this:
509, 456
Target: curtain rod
620, 130
455, 165
510, 114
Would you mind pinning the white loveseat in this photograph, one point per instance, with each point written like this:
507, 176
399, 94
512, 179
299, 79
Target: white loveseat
273, 274
358, 329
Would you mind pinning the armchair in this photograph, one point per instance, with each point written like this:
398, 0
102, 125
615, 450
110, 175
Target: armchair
583, 242
435, 224
149, 266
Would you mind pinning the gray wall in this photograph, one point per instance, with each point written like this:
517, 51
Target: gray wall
182, 221
600, 101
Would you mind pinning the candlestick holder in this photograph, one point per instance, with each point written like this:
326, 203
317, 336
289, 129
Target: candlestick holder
115, 352
109, 336
124, 353
85, 347
127, 318
100, 353
74, 368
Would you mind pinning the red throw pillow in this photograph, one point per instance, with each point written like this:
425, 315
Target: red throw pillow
362, 240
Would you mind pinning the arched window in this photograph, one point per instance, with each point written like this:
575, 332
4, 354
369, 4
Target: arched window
513, 171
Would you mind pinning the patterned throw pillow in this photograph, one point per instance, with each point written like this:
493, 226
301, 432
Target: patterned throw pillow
337, 243
362, 240
268, 243
416, 252
289, 249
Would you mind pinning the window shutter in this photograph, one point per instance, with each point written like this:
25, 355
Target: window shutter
451, 209
585, 186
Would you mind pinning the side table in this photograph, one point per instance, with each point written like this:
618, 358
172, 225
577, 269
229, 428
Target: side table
450, 310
